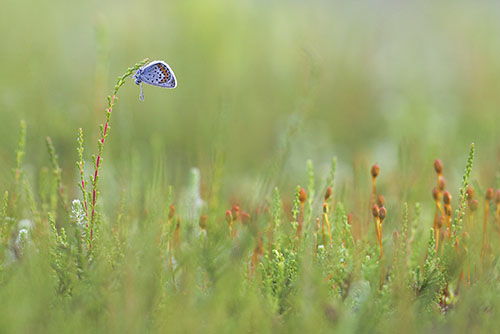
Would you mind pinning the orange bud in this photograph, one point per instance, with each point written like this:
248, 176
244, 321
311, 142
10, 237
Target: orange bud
325, 208
446, 197
440, 222
489, 194
302, 195
470, 193
435, 194
441, 183
375, 210
235, 210
438, 166
328, 193
245, 216
375, 170
382, 213
474, 204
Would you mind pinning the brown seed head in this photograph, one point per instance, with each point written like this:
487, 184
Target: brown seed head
382, 213
438, 166
171, 213
328, 193
474, 204
203, 222
229, 216
375, 210
489, 194
302, 196
441, 183
375, 170
435, 194
349, 219
440, 222
470, 193
447, 197
380, 201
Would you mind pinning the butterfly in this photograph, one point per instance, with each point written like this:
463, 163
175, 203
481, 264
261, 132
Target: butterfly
156, 73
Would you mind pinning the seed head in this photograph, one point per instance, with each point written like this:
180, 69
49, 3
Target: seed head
302, 196
470, 193
438, 166
447, 197
440, 222
375, 170
441, 183
325, 208
375, 210
435, 193
381, 213
474, 204
489, 194
328, 193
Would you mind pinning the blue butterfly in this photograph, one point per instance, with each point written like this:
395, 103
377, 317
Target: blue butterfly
156, 73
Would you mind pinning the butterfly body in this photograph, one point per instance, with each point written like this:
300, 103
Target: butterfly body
156, 73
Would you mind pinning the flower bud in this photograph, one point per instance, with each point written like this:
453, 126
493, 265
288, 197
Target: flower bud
375, 170
382, 213
438, 166
489, 194
380, 201
229, 216
447, 197
328, 193
375, 211
441, 183
302, 195
474, 204
171, 213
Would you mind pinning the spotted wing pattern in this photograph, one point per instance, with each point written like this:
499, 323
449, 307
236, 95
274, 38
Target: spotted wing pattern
158, 73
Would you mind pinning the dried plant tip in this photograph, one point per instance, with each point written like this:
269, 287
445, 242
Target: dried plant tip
435, 193
474, 204
447, 197
497, 196
441, 183
229, 216
302, 196
328, 193
375, 170
470, 193
380, 201
438, 166
382, 212
489, 194
375, 211
171, 213
203, 222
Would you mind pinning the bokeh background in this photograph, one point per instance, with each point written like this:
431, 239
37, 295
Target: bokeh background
263, 86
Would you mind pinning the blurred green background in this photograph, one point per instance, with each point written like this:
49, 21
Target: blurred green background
259, 81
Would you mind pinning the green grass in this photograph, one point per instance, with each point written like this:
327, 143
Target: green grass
244, 200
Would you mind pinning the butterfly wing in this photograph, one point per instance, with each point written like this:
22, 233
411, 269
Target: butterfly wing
158, 73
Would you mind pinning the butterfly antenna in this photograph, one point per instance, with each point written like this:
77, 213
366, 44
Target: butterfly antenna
141, 96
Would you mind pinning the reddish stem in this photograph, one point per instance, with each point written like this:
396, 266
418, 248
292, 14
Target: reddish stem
94, 190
